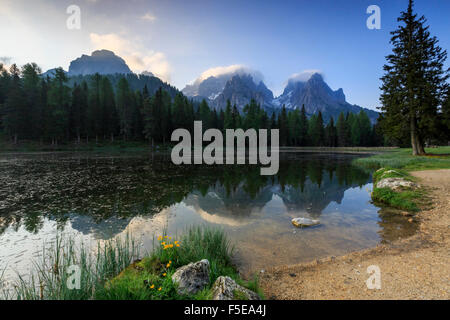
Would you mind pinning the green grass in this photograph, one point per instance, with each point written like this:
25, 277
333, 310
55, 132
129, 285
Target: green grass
436, 158
405, 200
48, 280
113, 273
4, 292
150, 278
389, 172
398, 164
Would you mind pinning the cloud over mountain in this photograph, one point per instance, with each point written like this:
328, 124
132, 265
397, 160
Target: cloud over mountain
138, 58
303, 76
231, 70
212, 81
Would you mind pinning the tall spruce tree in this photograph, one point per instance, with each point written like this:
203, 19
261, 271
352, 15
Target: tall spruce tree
343, 131
108, 108
365, 129
15, 105
228, 119
283, 127
331, 134
303, 130
58, 107
124, 107
33, 102
446, 114
414, 81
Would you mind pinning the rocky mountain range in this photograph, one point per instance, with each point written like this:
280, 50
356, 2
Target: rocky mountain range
101, 61
239, 86
314, 94
108, 64
240, 89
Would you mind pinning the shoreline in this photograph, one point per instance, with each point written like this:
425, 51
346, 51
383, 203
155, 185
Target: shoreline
411, 268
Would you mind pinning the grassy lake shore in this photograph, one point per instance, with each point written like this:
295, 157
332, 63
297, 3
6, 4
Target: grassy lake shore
116, 270
411, 268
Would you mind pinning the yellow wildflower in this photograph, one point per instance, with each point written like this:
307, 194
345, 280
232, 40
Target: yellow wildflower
164, 274
159, 289
152, 286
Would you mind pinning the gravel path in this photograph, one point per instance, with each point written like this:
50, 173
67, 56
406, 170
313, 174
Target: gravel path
414, 268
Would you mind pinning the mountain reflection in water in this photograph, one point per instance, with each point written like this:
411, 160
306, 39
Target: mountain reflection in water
101, 196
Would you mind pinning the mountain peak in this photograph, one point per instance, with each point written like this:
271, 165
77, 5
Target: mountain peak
213, 81
307, 88
103, 53
316, 78
317, 96
240, 90
101, 61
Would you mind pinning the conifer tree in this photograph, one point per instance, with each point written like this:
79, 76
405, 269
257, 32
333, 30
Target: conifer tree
283, 127
414, 81
343, 131
331, 134
303, 128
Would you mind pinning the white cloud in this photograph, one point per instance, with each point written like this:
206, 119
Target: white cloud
235, 69
138, 58
149, 17
304, 75
5, 60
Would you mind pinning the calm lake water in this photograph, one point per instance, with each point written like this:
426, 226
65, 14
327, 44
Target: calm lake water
97, 197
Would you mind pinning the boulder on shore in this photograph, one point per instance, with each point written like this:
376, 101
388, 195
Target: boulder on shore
304, 222
192, 278
226, 288
395, 183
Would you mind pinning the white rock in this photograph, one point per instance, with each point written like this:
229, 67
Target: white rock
304, 222
192, 278
395, 183
225, 288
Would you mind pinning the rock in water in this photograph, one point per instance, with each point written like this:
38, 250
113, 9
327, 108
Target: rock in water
226, 288
304, 222
192, 278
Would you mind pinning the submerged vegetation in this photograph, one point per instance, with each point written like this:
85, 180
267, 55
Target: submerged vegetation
113, 271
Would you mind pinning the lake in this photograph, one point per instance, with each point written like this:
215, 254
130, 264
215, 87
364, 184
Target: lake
95, 197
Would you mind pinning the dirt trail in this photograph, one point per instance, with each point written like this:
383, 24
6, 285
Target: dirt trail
414, 268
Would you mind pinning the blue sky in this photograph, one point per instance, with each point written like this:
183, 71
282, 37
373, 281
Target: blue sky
179, 40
